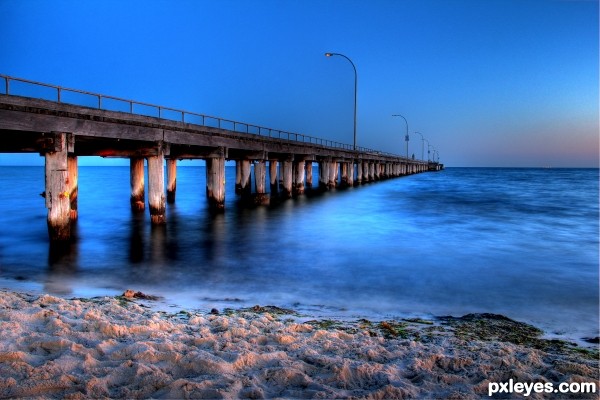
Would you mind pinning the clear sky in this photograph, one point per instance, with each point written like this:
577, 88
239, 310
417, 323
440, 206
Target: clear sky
486, 82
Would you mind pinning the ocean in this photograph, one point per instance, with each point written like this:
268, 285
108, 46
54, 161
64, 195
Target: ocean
519, 242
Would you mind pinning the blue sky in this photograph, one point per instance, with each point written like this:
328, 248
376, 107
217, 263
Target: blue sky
487, 82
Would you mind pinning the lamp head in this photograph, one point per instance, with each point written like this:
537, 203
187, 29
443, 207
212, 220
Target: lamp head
328, 54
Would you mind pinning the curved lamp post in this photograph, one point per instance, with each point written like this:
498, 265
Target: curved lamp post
355, 88
406, 137
422, 146
428, 150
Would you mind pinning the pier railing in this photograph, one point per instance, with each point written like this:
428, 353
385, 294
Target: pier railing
24, 87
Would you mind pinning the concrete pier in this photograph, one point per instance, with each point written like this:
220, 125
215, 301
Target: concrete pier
273, 181
156, 188
242, 177
73, 185
309, 174
260, 182
323, 174
333, 172
136, 171
57, 188
298, 177
359, 173
287, 176
171, 180
64, 132
215, 183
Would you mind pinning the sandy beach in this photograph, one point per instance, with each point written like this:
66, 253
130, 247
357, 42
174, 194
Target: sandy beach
117, 347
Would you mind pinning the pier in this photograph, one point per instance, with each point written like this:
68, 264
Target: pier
65, 124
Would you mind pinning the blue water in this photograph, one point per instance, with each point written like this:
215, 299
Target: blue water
518, 242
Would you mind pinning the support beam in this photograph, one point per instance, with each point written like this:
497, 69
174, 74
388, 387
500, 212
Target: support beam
238, 177
287, 178
309, 174
136, 170
73, 178
366, 177
359, 172
156, 189
57, 190
350, 173
215, 183
299, 177
344, 168
171, 180
333, 173
260, 182
273, 177
245, 188
324, 173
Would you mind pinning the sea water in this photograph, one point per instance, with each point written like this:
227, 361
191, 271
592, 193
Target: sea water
517, 242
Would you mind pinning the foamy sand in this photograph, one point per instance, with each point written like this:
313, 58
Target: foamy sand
112, 347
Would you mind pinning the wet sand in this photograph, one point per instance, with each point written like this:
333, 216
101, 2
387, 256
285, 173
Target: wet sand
115, 347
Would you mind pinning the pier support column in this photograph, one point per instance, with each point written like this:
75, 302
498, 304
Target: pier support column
136, 170
260, 182
238, 177
242, 177
323, 174
57, 189
299, 177
359, 172
331, 181
156, 188
215, 183
287, 178
73, 185
171, 180
309, 174
344, 173
350, 173
273, 177
366, 177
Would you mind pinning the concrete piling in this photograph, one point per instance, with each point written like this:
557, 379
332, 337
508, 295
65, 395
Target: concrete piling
273, 177
299, 177
57, 192
308, 168
136, 171
73, 185
171, 180
287, 178
215, 183
156, 189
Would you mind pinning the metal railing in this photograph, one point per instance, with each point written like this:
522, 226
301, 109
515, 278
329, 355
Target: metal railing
103, 102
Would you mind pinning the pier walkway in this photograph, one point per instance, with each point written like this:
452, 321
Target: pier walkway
63, 124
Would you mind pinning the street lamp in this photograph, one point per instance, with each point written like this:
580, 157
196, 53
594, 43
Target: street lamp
355, 89
406, 137
428, 150
422, 146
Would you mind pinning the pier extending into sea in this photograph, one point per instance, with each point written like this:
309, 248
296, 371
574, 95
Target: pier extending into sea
63, 124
